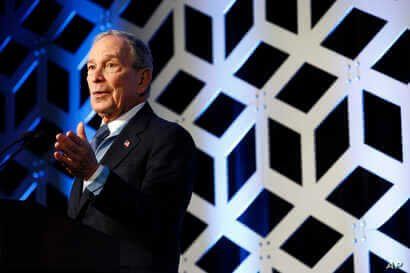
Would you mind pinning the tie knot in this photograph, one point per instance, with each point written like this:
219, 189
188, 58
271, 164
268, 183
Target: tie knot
99, 136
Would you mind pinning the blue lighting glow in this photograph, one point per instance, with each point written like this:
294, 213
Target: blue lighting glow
5, 43
34, 124
64, 24
29, 190
24, 77
29, 11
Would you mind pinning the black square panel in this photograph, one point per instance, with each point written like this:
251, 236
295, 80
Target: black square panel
285, 151
393, 63
11, 175
261, 65
379, 265
42, 17
398, 226
162, 45
224, 257
26, 98
204, 183
57, 86
180, 92
74, 33
265, 212
382, 125
306, 87
311, 241
11, 57
238, 21
84, 90
219, 115
347, 266
319, 8
198, 34
283, 14
359, 192
331, 138
353, 34
241, 163
139, 12
192, 228
103, 3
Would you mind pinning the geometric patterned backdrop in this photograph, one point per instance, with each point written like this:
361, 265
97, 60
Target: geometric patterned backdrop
300, 111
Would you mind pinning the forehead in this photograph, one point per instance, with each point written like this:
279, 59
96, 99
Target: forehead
109, 45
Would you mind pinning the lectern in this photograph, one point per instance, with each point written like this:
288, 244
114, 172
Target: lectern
37, 239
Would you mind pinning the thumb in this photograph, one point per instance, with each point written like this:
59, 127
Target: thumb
81, 131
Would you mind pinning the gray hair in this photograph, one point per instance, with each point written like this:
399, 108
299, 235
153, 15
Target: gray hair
139, 49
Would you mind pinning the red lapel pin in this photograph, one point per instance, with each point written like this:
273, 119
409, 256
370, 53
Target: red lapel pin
127, 143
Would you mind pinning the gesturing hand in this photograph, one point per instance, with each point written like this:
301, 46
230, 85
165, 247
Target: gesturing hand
75, 153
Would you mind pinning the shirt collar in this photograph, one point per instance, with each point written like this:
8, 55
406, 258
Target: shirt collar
116, 125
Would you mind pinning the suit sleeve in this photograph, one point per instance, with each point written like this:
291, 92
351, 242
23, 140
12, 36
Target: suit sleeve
166, 187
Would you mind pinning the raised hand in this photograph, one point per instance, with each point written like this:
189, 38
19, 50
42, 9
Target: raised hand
74, 152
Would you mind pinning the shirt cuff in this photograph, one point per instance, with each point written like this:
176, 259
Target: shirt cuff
96, 182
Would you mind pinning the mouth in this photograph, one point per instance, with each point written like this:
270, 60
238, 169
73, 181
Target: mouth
99, 94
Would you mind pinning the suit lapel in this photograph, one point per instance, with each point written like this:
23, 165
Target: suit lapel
126, 141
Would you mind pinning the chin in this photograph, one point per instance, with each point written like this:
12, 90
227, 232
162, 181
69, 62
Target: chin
101, 108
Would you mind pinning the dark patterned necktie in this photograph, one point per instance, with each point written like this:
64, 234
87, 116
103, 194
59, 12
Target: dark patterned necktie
99, 136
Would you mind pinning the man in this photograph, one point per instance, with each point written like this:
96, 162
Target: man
135, 184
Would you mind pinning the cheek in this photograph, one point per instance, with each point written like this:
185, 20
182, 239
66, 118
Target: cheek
122, 89
116, 81
117, 95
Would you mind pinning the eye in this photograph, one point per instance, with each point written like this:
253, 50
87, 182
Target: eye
112, 65
90, 67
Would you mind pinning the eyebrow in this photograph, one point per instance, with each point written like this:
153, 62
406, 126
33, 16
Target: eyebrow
106, 56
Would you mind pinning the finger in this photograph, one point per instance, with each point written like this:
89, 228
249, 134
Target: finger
81, 131
69, 171
65, 160
57, 155
70, 165
65, 144
72, 157
76, 139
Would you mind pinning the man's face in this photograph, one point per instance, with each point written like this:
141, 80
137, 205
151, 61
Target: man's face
114, 84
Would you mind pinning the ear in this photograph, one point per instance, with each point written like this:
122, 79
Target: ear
144, 80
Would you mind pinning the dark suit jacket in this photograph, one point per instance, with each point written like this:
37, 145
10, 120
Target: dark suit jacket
146, 194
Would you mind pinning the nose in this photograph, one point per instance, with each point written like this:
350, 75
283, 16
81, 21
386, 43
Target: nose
96, 75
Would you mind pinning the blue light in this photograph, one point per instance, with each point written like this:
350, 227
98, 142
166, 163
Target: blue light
34, 124
24, 77
4, 43
29, 11
28, 191
5, 159
64, 24
121, 10
65, 185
